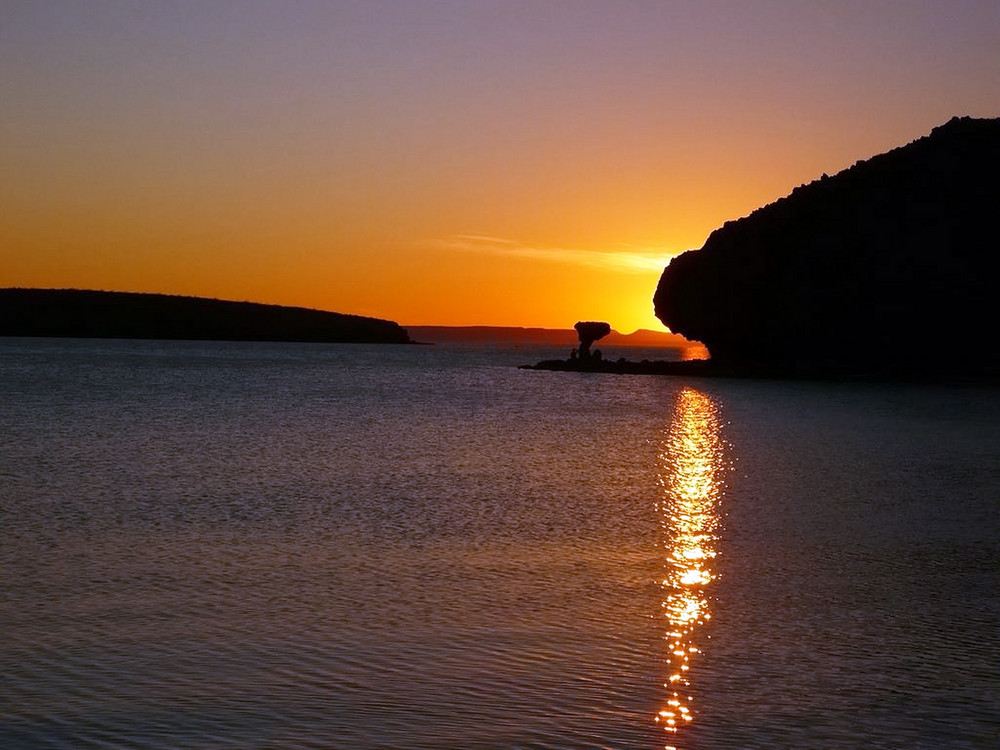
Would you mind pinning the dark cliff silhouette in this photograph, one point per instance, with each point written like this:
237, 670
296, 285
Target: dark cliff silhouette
889, 268
73, 313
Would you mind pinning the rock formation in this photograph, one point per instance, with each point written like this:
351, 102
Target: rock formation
887, 268
589, 332
74, 313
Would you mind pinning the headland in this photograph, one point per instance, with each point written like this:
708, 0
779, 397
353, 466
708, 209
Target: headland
887, 269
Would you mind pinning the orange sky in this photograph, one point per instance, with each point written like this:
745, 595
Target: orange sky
439, 162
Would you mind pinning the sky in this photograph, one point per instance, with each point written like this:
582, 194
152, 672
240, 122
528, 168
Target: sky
445, 162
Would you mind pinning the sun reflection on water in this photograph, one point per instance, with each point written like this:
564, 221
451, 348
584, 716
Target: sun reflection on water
691, 465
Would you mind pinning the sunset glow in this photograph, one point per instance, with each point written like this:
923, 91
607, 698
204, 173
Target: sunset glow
692, 462
444, 162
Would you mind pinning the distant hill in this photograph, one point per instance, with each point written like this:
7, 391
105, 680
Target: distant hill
888, 268
74, 313
543, 336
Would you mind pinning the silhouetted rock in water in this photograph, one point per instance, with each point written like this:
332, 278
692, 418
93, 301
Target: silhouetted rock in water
73, 313
889, 268
583, 360
589, 332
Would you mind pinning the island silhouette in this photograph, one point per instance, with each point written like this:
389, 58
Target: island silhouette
76, 313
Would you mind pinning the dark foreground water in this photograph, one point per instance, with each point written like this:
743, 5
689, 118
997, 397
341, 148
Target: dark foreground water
304, 546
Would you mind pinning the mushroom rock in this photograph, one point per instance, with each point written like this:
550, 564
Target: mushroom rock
888, 268
589, 332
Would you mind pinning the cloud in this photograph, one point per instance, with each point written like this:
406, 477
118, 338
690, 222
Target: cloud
629, 259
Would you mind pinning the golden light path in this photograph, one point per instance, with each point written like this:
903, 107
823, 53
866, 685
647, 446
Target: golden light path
691, 464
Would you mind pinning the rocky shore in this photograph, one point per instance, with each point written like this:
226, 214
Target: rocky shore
694, 367
704, 368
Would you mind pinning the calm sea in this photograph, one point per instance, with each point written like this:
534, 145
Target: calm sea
215, 545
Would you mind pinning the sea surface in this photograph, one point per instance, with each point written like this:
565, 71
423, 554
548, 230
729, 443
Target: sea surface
239, 545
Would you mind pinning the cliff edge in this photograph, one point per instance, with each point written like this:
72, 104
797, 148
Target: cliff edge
888, 268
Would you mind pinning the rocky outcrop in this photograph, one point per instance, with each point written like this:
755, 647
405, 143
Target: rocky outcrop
74, 313
590, 331
888, 268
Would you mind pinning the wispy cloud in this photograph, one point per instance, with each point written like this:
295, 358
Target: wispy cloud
627, 259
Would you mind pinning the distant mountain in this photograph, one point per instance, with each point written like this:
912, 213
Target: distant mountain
888, 268
74, 313
543, 336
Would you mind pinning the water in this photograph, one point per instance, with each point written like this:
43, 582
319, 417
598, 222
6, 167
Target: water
210, 545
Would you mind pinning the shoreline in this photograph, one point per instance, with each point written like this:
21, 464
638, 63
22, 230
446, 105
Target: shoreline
704, 368
700, 367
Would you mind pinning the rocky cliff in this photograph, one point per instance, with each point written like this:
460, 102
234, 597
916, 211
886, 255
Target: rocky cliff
887, 268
